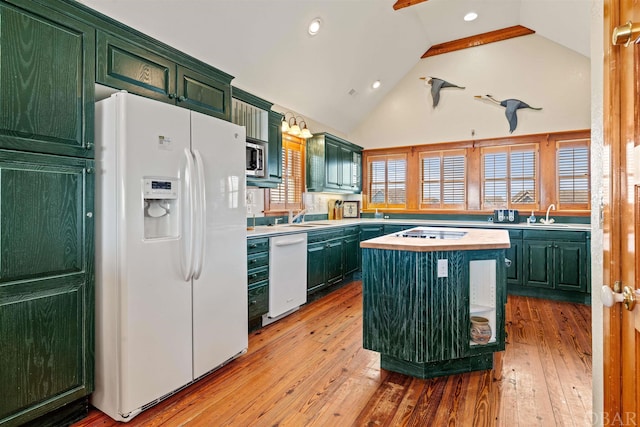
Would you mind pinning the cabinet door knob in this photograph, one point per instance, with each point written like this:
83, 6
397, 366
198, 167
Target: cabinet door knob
88, 145
182, 98
89, 170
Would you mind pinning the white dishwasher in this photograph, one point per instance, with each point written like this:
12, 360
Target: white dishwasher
287, 275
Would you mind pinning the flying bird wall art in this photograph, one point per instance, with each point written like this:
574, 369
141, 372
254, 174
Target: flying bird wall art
511, 106
436, 85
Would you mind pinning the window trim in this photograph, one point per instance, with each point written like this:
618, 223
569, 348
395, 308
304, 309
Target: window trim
296, 144
510, 179
386, 158
441, 154
546, 178
573, 143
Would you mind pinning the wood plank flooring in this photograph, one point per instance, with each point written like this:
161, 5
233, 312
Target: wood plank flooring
309, 369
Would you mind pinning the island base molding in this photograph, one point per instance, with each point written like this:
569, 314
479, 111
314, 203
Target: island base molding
437, 369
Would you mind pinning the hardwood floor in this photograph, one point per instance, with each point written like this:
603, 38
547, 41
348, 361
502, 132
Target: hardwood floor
309, 369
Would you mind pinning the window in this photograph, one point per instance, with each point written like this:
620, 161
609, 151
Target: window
443, 179
573, 174
509, 177
387, 181
288, 194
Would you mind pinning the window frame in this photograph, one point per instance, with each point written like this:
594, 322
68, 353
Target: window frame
369, 182
441, 181
509, 178
289, 143
573, 143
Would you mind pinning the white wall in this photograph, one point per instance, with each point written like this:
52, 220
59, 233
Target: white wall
597, 192
530, 68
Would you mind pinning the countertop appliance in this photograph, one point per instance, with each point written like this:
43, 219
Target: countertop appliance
431, 233
287, 275
171, 289
256, 158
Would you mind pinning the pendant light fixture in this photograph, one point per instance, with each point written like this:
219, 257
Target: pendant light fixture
294, 127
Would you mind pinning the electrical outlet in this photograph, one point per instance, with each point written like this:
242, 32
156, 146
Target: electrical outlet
443, 268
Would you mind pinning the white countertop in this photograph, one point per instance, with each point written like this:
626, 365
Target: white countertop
265, 230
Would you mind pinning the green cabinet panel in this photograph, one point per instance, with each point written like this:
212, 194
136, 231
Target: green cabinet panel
538, 262
351, 250
200, 92
334, 261
258, 300
257, 279
370, 231
333, 165
570, 262
126, 66
46, 283
46, 81
558, 261
133, 63
275, 147
325, 259
316, 276
514, 254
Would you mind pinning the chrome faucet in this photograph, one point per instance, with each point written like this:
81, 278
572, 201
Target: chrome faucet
546, 220
299, 216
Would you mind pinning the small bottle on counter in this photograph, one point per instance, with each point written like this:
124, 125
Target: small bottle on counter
531, 218
377, 214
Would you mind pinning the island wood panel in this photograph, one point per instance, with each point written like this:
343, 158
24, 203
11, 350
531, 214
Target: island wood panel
282, 380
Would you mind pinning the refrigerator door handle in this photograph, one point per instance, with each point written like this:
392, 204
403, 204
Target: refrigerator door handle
201, 218
188, 247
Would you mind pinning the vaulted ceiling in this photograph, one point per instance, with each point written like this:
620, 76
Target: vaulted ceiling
327, 77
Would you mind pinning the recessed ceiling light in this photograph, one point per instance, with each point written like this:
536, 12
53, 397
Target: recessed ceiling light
314, 26
376, 84
471, 16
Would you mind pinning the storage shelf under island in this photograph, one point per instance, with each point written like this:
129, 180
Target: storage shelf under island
419, 295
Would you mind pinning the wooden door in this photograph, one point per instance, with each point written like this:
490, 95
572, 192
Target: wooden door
620, 248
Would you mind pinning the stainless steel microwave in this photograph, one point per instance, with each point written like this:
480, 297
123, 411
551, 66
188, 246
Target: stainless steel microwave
256, 159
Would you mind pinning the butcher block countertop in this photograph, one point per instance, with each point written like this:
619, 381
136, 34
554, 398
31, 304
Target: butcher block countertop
473, 239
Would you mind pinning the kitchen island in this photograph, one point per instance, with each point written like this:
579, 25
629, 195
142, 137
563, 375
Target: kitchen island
420, 289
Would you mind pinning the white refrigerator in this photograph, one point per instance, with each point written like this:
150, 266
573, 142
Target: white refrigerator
171, 268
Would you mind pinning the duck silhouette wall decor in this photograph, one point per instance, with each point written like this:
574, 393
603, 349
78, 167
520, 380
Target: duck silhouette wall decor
436, 85
511, 106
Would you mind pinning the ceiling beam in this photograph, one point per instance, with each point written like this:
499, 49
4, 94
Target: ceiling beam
478, 40
406, 3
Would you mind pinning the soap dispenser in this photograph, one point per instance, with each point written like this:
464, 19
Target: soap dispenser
531, 218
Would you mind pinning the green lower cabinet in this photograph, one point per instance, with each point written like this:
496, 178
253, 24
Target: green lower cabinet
316, 276
538, 263
351, 251
325, 259
257, 280
555, 268
46, 286
514, 255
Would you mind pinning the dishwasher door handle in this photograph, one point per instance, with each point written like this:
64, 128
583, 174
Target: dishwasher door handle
289, 242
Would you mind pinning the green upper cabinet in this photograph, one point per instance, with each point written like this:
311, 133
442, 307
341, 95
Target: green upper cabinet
139, 66
275, 147
46, 81
333, 165
46, 284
